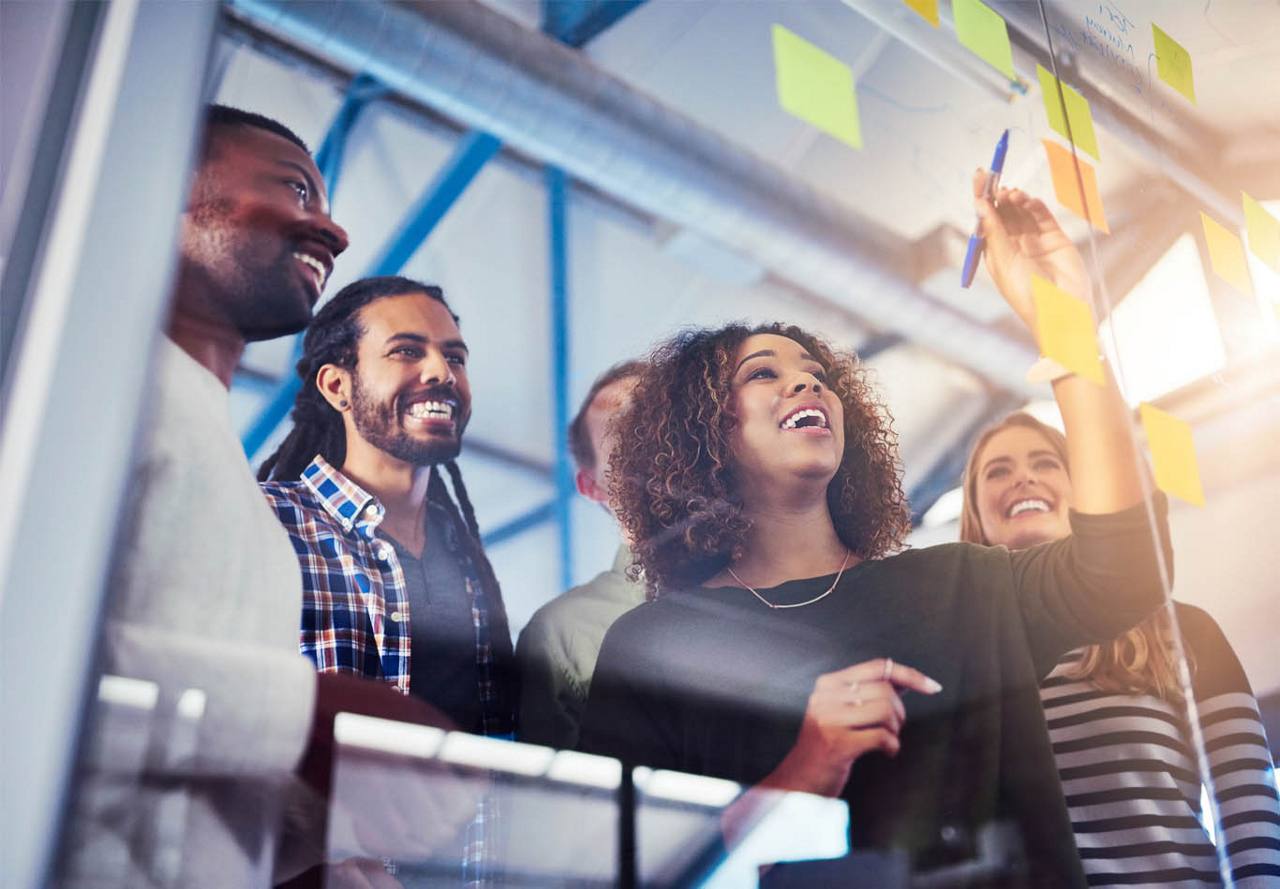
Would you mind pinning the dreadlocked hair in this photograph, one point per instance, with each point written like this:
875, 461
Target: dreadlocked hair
460, 510
332, 338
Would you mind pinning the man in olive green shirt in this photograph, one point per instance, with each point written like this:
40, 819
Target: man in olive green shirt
558, 649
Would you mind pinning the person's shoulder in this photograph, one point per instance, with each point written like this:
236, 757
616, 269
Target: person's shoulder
292, 501
1201, 634
292, 492
563, 606
1198, 626
1216, 668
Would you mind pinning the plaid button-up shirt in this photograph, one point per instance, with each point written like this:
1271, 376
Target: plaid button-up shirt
355, 609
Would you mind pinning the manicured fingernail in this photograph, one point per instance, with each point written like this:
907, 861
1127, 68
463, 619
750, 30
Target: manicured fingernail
932, 686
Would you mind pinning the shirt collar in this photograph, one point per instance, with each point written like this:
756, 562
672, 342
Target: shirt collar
622, 561
348, 503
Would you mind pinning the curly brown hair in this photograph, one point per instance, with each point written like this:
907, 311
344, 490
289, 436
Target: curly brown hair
674, 490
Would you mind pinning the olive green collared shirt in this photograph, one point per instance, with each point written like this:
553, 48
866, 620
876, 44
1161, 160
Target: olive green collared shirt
558, 650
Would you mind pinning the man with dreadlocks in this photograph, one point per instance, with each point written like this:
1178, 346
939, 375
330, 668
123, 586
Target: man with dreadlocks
396, 584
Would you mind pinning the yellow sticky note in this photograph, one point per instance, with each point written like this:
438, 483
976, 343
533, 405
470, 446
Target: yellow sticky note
1226, 254
1173, 454
1173, 63
1065, 329
816, 86
984, 33
1062, 167
927, 9
1077, 115
1264, 232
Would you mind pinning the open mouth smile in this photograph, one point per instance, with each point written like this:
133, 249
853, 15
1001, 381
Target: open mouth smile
1033, 505
437, 414
317, 267
806, 417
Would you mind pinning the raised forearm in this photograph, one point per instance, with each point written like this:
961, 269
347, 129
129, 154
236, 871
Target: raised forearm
1104, 463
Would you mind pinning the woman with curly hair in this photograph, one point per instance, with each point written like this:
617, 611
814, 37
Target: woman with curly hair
758, 475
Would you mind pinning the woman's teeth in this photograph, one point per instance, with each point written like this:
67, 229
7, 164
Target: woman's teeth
794, 420
1028, 506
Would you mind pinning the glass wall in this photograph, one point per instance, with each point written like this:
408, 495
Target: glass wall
783, 605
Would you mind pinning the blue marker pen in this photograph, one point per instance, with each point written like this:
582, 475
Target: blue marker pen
973, 255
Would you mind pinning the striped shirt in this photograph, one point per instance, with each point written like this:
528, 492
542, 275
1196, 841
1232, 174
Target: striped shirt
1130, 779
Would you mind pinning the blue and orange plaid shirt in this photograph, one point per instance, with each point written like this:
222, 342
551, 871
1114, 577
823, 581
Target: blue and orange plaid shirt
355, 609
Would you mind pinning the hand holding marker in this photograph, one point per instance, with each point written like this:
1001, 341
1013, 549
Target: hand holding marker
973, 255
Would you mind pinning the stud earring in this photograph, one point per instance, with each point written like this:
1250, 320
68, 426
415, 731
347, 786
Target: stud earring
342, 403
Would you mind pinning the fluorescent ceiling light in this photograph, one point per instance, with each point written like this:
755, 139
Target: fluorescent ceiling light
945, 509
1165, 333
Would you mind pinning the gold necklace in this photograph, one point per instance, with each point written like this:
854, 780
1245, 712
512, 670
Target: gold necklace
847, 554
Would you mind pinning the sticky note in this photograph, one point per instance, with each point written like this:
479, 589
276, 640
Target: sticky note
1065, 329
927, 10
1173, 63
1062, 167
1226, 254
1077, 115
816, 86
984, 33
1264, 232
1173, 454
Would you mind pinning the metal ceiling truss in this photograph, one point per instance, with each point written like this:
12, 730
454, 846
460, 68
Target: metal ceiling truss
478, 67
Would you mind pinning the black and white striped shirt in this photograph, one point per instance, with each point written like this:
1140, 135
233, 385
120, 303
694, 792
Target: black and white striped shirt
1130, 779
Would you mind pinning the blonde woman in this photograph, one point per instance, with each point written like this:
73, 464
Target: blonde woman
1115, 710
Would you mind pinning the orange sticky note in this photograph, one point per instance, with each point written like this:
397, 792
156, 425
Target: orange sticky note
1264, 232
1173, 454
1065, 329
1062, 167
1226, 254
816, 87
1173, 63
926, 9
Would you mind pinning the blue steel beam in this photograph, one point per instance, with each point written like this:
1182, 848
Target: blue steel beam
557, 198
575, 22
472, 153
329, 157
539, 515
469, 158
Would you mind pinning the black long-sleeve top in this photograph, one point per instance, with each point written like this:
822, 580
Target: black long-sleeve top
711, 681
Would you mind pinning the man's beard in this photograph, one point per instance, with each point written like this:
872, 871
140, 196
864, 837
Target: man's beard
379, 425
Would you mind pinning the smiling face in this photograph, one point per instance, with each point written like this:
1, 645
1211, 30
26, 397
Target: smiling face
790, 425
1023, 491
257, 240
409, 393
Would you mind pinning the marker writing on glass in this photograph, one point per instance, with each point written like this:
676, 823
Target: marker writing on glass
973, 255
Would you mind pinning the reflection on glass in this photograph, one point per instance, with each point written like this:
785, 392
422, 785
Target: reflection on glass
421, 804
128, 824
